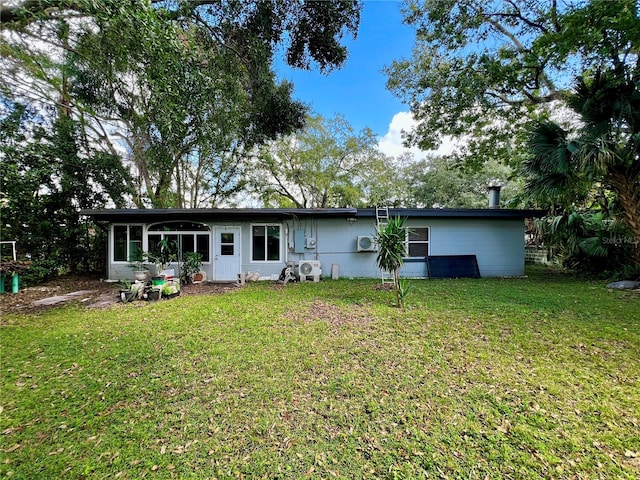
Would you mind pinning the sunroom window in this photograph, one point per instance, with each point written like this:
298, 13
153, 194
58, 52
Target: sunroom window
127, 243
186, 236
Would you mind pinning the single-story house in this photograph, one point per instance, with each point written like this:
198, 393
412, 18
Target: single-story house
330, 241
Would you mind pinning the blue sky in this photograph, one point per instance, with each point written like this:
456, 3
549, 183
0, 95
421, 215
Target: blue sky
358, 90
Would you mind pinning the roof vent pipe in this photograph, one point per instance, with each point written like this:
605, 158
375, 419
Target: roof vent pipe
494, 195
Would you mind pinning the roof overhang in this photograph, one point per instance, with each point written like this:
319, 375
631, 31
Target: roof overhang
495, 213
276, 214
213, 214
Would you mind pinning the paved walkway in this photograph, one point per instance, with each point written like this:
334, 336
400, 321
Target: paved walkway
62, 298
105, 300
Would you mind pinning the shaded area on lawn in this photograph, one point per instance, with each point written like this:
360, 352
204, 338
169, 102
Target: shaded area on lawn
97, 291
490, 378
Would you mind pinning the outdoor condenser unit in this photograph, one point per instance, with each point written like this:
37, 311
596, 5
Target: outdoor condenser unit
309, 268
366, 243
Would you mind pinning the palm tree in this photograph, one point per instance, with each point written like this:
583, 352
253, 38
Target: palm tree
606, 149
391, 239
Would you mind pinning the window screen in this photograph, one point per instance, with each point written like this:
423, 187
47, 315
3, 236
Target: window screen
418, 243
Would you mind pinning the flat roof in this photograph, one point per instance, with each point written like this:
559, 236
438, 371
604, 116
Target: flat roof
212, 214
265, 214
455, 213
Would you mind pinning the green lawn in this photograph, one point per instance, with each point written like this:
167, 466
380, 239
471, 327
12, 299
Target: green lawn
519, 378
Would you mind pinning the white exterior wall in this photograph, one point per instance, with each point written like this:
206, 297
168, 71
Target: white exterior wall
497, 243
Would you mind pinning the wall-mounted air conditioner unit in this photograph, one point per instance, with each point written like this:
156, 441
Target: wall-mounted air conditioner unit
309, 268
366, 243
310, 243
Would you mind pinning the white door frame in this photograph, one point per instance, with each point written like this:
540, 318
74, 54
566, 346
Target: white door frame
227, 266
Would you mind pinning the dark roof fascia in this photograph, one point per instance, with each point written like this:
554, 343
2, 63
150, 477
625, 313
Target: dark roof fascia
238, 214
504, 213
213, 214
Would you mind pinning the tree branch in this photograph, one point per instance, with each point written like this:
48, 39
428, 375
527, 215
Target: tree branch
501, 28
519, 15
32, 10
537, 100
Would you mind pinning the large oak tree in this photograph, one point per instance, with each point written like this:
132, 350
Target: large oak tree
182, 87
486, 70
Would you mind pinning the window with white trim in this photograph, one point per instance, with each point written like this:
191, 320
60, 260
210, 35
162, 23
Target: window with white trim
417, 243
266, 243
186, 236
127, 243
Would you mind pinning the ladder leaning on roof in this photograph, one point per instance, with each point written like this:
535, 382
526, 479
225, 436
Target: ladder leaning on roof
382, 218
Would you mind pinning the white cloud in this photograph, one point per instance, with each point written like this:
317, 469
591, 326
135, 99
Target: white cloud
392, 142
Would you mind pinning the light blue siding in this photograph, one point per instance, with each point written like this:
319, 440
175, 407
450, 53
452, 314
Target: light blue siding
497, 243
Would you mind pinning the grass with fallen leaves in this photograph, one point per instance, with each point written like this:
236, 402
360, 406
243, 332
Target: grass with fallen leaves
489, 378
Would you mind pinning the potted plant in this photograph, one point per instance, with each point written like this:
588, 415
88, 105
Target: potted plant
164, 254
190, 271
154, 293
171, 289
140, 271
129, 291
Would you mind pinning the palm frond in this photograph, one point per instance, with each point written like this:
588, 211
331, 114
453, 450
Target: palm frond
391, 244
594, 247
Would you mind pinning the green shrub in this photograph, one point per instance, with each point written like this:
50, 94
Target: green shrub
39, 272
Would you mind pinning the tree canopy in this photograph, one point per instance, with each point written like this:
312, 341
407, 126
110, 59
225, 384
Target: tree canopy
177, 89
45, 179
551, 84
443, 182
326, 164
147, 104
486, 69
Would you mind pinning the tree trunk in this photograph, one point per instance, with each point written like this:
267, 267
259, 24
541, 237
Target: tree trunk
396, 283
144, 177
179, 172
626, 184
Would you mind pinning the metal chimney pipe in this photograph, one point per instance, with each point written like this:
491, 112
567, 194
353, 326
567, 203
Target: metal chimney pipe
494, 195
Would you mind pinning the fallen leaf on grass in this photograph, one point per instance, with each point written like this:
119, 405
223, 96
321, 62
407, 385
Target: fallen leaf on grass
634, 462
504, 427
